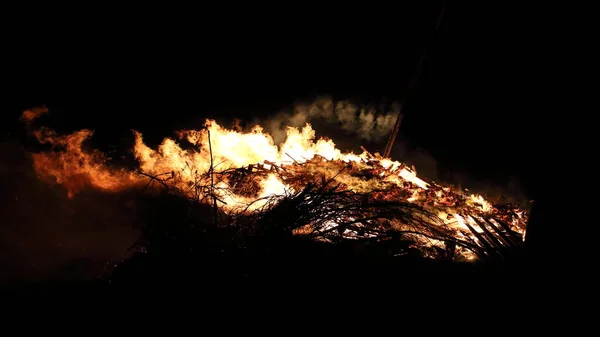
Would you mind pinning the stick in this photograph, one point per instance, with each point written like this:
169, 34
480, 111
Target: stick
212, 181
411, 87
295, 161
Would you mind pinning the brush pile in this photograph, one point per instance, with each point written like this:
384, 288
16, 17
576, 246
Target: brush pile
363, 201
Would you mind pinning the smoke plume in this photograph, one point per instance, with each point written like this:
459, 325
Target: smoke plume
368, 122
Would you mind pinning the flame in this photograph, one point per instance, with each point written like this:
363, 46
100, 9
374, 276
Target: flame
216, 150
30, 115
75, 168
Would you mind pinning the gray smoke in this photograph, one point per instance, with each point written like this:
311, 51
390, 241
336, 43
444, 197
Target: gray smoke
368, 122
351, 126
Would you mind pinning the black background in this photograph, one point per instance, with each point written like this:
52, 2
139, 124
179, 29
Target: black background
479, 107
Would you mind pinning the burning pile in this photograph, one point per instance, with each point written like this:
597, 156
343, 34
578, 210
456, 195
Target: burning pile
304, 186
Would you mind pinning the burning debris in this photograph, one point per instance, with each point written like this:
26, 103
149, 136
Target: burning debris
303, 187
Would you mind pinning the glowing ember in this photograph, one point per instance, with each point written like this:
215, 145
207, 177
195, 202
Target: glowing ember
221, 160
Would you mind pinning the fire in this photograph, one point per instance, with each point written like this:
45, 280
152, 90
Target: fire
219, 160
75, 168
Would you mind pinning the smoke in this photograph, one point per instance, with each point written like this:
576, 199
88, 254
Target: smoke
370, 123
352, 125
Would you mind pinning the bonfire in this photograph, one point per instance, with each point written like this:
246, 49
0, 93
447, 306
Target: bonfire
304, 186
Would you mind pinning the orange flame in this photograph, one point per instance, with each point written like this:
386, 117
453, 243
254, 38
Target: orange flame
75, 168
30, 115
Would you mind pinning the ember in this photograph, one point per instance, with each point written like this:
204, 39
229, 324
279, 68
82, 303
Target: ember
306, 186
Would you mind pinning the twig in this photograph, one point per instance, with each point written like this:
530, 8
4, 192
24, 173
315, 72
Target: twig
155, 178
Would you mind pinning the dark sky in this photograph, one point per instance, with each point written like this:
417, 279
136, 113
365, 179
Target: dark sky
474, 109
469, 111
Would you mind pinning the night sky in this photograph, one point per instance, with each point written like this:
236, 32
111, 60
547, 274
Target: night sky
471, 112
